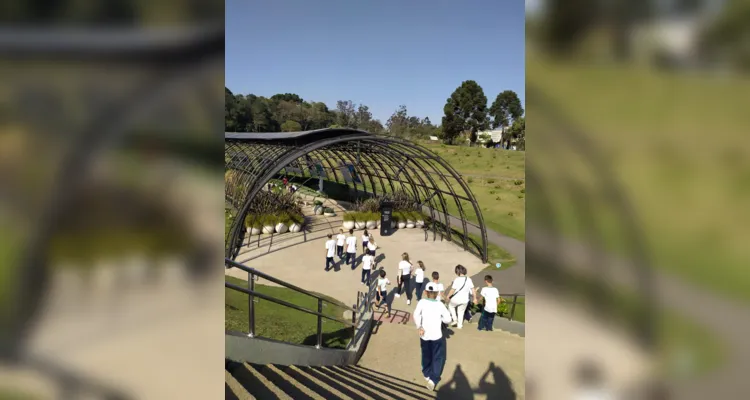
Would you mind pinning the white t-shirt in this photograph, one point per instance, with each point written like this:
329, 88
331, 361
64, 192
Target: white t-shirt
490, 295
367, 262
351, 244
404, 267
431, 314
340, 238
382, 283
331, 247
461, 296
371, 246
440, 289
419, 274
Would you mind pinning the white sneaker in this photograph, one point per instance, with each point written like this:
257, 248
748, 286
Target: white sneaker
398, 295
426, 378
408, 302
459, 327
454, 323
430, 384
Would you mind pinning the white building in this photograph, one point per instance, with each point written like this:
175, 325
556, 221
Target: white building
495, 135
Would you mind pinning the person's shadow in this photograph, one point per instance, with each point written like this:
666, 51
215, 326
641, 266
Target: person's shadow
458, 387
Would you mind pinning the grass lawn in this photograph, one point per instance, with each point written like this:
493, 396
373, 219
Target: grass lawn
277, 322
675, 145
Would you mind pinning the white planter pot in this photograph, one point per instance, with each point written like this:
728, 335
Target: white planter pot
253, 231
410, 224
269, 229
348, 225
371, 224
282, 228
318, 210
295, 227
330, 214
401, 224
359, 225
393, 224
419, 223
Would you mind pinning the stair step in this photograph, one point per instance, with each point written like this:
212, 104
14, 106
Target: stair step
296, 389
314, 383
383, 384
255, 383
361, 384
350, 391
234, 390
415, 390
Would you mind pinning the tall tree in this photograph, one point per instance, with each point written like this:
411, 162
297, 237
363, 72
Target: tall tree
290, 97
345, 111
505, 109
398, 123
465, 111
518, 133
291, 126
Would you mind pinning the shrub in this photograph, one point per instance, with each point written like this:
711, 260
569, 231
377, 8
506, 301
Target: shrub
317, 203
254, 221
470, 180
518, 182
498, 186
492, 192
523, 190
328, 210
520, 196
368, 205
350, 217
511, 213
490, 181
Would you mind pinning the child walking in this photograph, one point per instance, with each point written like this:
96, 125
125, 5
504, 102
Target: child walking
330, 251
351, 248
404, 279
365, 239
492, 299
371, 245
440, 287
382, 293
340, 238
429, 316
419, 279
368, 261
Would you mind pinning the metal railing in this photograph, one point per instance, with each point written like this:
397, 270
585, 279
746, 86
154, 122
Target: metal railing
512, 303
253, 274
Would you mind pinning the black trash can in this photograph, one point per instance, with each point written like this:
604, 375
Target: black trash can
386, 218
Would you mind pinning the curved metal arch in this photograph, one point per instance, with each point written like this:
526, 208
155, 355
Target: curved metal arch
414, 161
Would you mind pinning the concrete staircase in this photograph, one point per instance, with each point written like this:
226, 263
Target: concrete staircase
252, 381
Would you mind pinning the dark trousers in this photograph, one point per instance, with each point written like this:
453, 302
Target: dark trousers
486, 320
405, 283
433, 358
340, 251
329, 263
351, 257
419, 288
366, 276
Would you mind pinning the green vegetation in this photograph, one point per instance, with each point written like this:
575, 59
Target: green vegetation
281, 323
688, 194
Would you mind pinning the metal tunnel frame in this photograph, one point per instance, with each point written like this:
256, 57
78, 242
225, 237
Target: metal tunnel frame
383, 164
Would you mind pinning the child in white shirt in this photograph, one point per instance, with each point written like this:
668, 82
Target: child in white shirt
340, 238
365, 239
492, 299
440, 287
351, 248
382, 291
404, 278
371, 245
368, 262
330, 251
429, 316
419, 279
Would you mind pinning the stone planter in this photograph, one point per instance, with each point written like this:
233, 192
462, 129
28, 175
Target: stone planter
419, 223
348, 225
318, 210
282, 228
410, 224
269, 229
371, 224
401, 224
360, 225
295, 227
253, 231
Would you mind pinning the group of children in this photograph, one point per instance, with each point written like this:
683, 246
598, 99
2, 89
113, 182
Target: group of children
348, 245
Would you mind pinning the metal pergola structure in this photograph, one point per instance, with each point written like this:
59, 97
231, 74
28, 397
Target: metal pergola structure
383, 165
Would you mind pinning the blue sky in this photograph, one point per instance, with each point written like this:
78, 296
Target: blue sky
381, 53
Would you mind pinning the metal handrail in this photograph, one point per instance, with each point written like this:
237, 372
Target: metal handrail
285, 303
269, 278
513, 304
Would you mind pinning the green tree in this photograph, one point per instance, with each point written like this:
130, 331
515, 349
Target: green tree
517, 132
465, 110
291, 126
398, 123
505, 109
290, 97
345, 114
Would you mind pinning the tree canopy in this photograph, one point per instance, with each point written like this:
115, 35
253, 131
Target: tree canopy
506, 109
465, 112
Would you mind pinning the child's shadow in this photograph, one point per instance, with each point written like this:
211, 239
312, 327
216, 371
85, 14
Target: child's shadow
379, 258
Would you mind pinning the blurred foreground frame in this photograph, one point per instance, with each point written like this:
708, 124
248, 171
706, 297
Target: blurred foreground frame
168, 60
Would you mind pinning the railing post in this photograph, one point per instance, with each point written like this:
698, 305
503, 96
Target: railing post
251, 305
513, 307
320, 325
